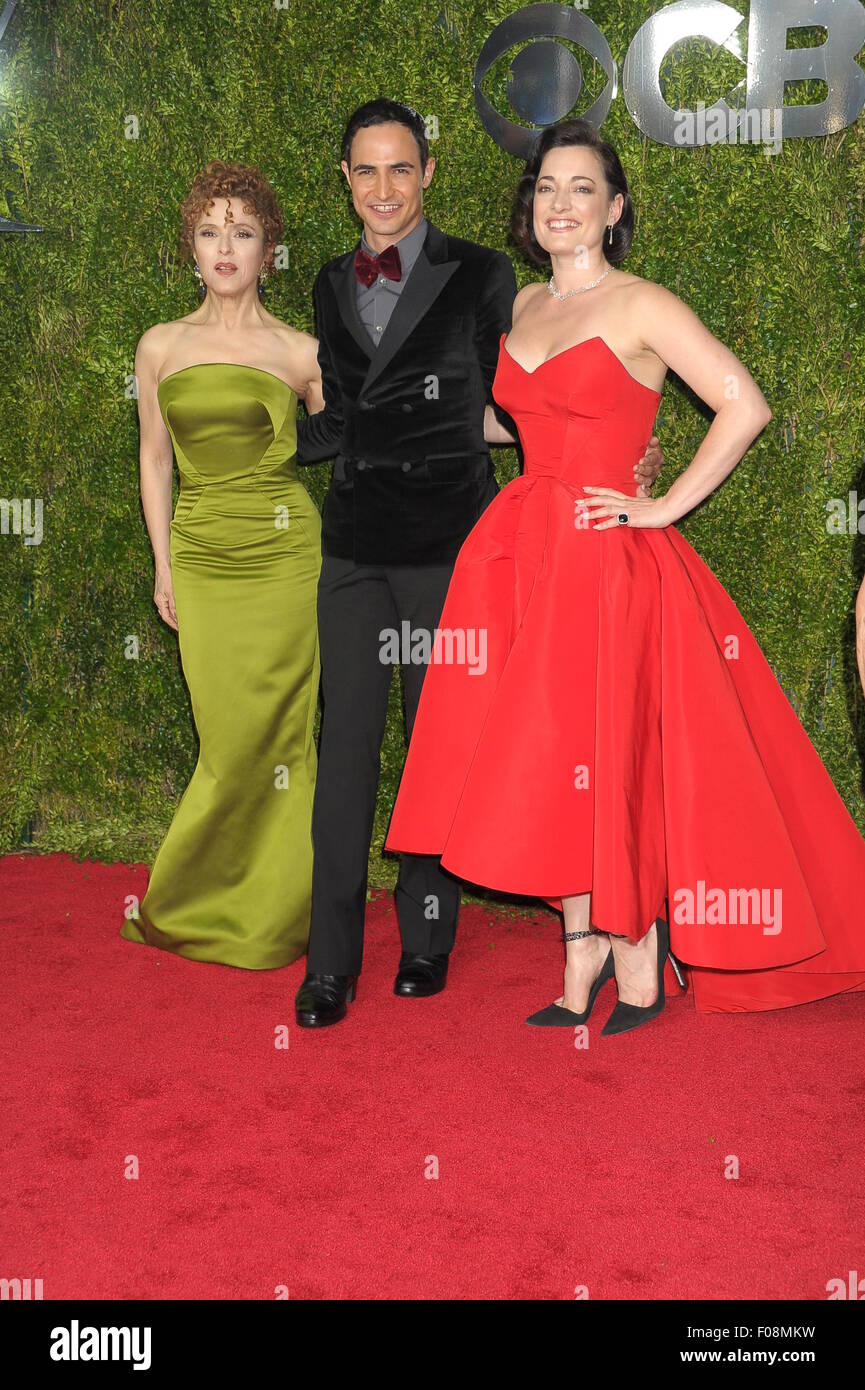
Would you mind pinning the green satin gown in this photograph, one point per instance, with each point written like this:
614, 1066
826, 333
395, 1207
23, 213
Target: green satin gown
232, 881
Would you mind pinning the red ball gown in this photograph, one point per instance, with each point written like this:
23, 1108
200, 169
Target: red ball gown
597, 716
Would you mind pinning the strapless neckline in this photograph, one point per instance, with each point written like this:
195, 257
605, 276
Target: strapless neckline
241, 366
595, 339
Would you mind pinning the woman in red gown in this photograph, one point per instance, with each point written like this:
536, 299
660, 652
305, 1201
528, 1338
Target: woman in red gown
598, 727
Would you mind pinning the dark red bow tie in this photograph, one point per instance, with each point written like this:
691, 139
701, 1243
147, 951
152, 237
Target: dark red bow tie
367, 268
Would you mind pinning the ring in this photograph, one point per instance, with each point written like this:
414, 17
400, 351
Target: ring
623, 518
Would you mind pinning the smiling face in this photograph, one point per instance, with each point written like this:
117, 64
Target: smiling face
387, 182
229, 247
572, 203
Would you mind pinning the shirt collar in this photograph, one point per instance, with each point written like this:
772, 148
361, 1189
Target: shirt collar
408, 246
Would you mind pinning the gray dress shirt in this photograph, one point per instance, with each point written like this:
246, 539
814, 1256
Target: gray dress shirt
376, 302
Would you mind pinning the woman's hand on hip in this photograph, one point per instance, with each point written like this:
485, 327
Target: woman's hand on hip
605, 505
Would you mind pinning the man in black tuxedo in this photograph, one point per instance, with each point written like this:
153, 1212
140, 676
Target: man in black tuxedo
409, 324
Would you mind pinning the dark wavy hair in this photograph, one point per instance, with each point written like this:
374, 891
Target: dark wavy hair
574, 132
382, 111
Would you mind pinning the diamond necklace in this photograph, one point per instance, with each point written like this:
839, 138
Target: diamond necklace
582, 290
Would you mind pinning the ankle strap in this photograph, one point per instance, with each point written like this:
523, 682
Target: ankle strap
577, 935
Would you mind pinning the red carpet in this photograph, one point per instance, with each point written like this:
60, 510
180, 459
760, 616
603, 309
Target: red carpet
305, 1167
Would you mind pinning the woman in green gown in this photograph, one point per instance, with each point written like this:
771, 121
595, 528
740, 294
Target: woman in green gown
236, 576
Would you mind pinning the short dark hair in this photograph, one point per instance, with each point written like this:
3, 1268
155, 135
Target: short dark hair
574, 132
382, 111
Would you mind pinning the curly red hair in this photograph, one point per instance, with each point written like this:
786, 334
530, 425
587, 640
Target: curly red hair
244, 181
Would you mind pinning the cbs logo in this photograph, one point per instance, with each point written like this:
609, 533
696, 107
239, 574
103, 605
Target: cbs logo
545, 79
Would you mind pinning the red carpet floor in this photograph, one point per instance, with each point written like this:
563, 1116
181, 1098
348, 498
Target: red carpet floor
558, 1169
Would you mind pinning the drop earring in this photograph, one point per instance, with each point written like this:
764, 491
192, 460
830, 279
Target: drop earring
202, 288
610, 231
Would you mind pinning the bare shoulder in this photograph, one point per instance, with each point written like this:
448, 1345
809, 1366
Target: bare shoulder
294, 340
646, 297
297, 353
153, 348
528, 292
649, 310
526, 296
154, 339
157, 341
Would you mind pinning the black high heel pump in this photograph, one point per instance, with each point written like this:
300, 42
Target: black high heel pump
554, 1015
627, 1016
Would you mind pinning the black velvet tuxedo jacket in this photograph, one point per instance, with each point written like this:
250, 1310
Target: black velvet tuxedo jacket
404, 420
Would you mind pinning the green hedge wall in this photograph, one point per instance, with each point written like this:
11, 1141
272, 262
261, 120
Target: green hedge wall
767, 250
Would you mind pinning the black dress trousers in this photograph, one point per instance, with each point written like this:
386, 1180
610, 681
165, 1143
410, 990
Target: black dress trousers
356, 603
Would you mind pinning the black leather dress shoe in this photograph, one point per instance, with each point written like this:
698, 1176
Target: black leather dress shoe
419, 976
322, 999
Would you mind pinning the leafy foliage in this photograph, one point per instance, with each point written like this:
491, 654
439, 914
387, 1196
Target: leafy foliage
767, 250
